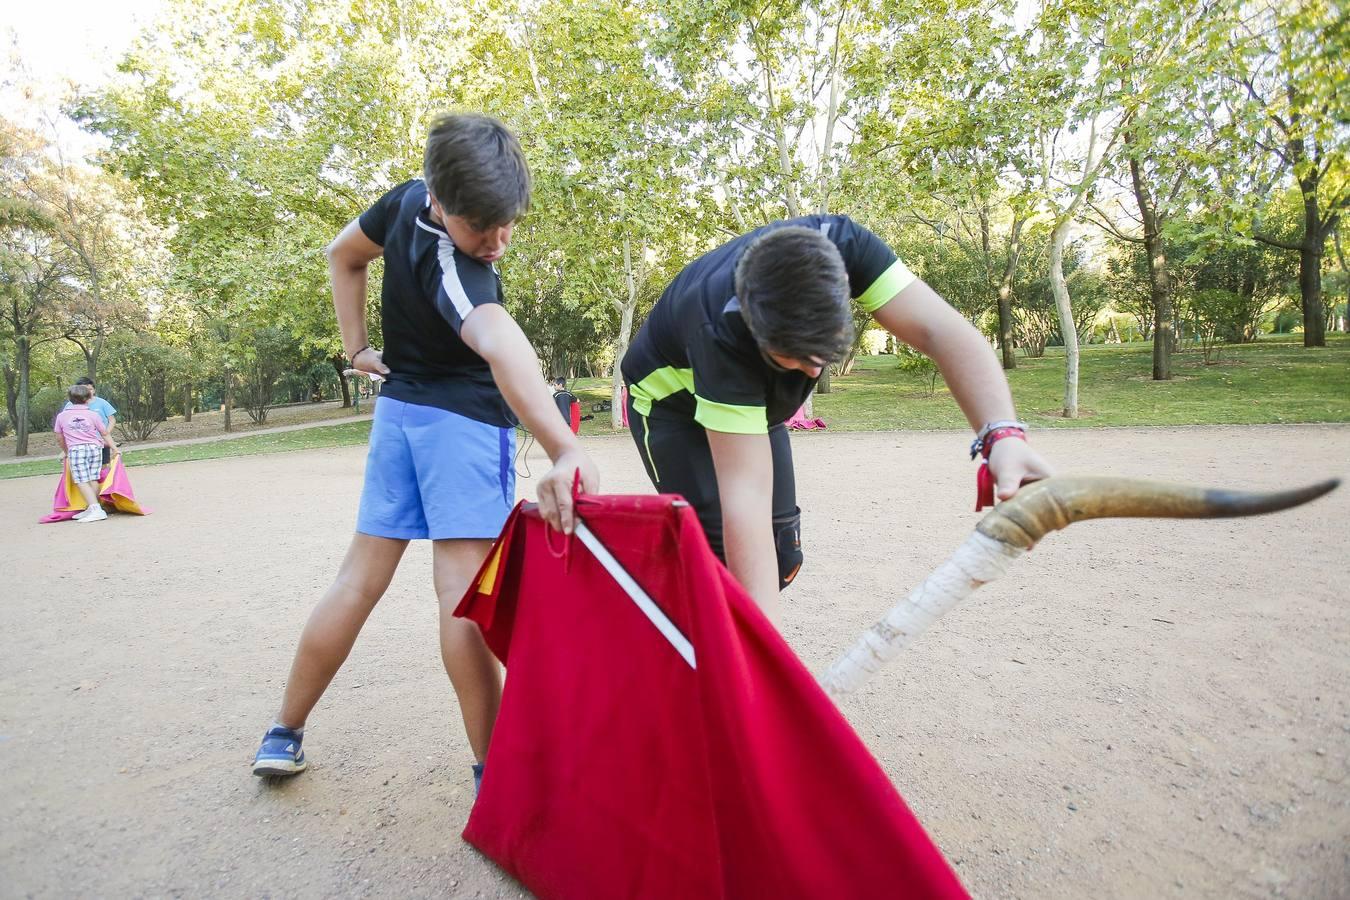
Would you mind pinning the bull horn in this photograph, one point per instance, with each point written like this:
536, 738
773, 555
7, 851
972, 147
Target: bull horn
1056, 503
1014, 527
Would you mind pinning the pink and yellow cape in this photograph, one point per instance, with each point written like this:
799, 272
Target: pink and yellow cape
114, 487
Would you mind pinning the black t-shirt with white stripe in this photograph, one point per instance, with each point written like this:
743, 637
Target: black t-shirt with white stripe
430, 286
695, 358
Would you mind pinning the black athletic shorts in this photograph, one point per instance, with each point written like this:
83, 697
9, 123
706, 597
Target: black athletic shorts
679, 461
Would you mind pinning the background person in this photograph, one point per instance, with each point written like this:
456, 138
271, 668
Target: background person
106, 411
82, 433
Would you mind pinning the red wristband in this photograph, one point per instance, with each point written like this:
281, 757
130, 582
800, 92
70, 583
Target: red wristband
984, 479
999, 434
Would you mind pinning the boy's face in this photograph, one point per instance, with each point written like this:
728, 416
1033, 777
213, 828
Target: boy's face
487, 245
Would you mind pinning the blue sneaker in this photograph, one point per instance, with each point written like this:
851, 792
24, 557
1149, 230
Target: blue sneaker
477, 778
280, 753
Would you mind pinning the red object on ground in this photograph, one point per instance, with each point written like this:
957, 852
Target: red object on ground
619, 770
799, 421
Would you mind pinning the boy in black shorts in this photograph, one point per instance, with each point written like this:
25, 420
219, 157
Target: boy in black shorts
735, 345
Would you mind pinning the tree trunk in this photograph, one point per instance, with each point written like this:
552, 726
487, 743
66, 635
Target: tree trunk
823, 385
616, 381
187, 401
338, 366
774, 121
1159, 279
229, 397
23, 358
11, 392
1310, 285
626, 311
91, 358
1067, 328
1310, 248
1345, 275
1005, 323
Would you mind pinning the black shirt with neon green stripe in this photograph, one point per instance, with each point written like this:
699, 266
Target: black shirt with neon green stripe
694, 357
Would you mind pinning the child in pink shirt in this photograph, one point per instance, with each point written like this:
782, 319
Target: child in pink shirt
82, 435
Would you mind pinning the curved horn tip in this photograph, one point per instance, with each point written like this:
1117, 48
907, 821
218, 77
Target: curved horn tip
1275, 501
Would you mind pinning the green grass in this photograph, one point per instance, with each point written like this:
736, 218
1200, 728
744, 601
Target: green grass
1273, 381
342, 435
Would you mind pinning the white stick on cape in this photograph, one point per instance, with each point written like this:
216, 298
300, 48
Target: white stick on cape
1013, 528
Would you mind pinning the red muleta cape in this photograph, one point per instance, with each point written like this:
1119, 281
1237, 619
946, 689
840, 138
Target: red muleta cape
617, 769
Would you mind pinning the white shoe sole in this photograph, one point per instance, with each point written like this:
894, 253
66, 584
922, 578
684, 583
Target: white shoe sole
278, 767
97, 517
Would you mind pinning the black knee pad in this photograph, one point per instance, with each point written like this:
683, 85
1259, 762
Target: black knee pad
787, 542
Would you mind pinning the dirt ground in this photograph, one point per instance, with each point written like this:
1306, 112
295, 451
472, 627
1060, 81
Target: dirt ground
1139, 709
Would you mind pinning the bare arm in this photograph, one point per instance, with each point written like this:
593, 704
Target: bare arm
107, 435
490, 332
922, 319
744, 466
349, 259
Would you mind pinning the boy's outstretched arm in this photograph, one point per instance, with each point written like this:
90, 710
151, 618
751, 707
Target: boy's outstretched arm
491, 333
744, 466
106, 432
922, 319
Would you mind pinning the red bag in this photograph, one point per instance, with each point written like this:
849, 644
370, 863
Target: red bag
620, 768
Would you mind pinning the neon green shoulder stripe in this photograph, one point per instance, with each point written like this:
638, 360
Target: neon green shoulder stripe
659, 385
731, 419
892, 281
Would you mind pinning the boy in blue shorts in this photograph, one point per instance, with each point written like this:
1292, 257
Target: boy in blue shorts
459, 373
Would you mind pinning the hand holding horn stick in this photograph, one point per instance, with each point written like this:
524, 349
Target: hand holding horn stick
1014, 527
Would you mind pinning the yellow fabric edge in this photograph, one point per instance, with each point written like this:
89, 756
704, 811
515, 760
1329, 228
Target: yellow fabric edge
489, 579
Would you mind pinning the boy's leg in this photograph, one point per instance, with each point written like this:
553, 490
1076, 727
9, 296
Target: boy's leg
89, 491
472, 668
332, 628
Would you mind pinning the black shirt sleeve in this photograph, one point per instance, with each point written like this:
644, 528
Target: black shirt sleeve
375, 221
875, 274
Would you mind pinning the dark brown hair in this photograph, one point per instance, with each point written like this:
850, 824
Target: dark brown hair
475, 169
794, 296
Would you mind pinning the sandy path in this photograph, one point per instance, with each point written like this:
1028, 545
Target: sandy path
1055, 734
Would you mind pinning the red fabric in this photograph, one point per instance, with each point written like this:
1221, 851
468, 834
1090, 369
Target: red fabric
574, 415
984, 479
799, 421
984, 487
617, 771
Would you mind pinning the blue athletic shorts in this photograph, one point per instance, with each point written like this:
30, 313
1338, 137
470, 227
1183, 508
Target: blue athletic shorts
431, 473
